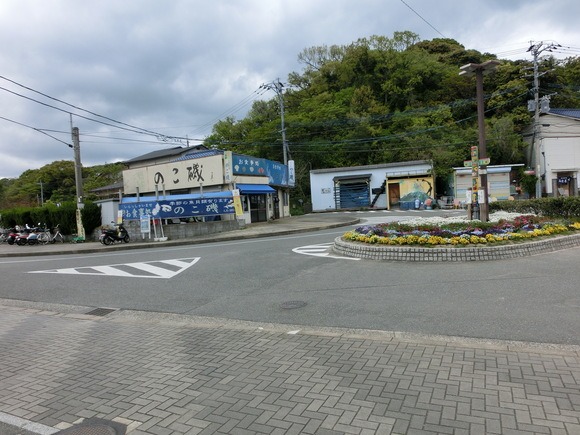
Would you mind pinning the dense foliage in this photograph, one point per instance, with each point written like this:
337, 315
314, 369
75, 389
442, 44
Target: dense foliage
382, 100
51, 215
55, 183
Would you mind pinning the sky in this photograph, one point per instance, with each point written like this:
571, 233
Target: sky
137, 73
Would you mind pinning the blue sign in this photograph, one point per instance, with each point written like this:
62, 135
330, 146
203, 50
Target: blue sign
177, 208
246, 165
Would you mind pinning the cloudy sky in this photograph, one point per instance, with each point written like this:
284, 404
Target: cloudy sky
175, 67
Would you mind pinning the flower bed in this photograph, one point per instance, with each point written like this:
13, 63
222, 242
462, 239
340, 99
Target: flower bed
502, 228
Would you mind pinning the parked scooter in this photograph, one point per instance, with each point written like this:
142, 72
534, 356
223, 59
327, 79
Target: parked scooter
11, 236
28, 236
114, 234
22, 235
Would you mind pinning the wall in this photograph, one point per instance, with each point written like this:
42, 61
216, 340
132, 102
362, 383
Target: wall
109, 209
188, 230
186, 174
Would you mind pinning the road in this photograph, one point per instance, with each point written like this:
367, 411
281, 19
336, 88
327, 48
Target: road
296, 280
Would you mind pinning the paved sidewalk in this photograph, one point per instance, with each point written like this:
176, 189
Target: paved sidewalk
169, 374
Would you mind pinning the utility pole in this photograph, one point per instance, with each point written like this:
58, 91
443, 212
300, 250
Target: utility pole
41, 193
479, 70
78, 181
278, 87
536, 50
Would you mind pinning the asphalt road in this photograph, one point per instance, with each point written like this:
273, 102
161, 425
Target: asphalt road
294, 280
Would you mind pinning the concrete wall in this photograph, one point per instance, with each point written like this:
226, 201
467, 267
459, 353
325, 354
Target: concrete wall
188, 230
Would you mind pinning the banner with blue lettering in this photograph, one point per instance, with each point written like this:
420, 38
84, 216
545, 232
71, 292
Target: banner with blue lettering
178, 206
277, 173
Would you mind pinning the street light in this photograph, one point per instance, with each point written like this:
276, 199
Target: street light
479, 70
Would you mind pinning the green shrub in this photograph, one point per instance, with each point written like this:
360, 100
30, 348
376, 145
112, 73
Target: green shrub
562, 206
52, 215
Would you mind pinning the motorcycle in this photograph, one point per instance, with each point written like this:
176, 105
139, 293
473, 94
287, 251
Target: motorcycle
113, 235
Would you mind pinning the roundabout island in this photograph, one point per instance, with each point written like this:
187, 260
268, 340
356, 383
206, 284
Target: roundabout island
453, 253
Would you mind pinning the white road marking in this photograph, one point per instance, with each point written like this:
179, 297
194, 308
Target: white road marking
153, 269
320, 250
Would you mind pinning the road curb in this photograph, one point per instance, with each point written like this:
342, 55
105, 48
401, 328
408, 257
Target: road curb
456, 254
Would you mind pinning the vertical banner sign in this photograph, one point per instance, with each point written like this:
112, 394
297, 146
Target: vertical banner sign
237, 202
474, 173
228, 167
291, 174
119, 217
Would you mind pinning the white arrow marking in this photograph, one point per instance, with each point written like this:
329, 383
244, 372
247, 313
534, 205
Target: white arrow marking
154, 269
322, 250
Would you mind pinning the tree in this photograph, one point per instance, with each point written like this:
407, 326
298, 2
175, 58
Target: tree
383, 100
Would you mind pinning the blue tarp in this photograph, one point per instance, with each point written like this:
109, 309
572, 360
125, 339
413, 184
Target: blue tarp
255, 189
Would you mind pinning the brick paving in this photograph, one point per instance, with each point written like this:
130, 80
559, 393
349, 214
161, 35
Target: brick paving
161, 376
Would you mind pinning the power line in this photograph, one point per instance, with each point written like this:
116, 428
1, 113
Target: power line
428, 23
36, 129
132, 128
125, 126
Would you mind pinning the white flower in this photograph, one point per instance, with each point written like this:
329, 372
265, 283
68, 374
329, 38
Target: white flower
494, 217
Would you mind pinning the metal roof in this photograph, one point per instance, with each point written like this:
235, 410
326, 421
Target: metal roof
570, 113
168, 152
197, 154
370, 167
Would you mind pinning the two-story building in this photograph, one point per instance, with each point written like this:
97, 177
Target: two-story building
197, 183
554, 151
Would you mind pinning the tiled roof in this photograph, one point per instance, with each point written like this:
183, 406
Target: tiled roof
169, 152
570, 113
198, 154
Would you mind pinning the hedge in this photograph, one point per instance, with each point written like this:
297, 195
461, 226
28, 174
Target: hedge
562, 206
63, 215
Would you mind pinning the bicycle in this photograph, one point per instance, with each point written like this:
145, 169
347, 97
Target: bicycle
57, 235
44, 235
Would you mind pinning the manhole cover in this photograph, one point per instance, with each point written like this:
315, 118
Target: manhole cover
290, 305
100, 312
90, 430
95, 426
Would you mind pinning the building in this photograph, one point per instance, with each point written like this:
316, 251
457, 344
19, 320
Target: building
501, 183
554, 151
373, 186
201, 184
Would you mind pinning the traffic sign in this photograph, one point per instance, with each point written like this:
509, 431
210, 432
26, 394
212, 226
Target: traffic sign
481, 162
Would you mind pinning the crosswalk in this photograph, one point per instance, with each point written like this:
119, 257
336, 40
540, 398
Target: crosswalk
165, 269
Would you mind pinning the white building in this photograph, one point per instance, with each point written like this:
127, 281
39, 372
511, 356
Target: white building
555, 151
500, 183
373, 186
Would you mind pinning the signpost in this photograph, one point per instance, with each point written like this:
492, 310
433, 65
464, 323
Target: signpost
474, 182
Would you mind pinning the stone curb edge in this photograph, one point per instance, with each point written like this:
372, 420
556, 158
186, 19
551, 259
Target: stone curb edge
187, 321
440, 254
